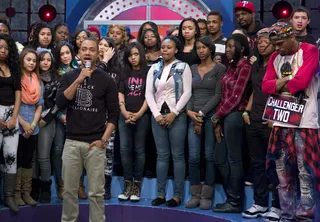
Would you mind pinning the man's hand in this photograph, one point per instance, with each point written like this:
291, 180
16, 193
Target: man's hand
85, 72
96, 143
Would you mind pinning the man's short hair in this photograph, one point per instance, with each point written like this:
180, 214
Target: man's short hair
300, 9
216, 13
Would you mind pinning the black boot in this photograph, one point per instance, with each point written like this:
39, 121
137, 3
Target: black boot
107, 187
35, 192
8, 188
45, 195
234, 192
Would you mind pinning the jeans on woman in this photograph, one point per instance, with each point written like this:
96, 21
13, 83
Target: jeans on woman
57, 149
232, 167
133, 138
194, 144
41, 165
171, 140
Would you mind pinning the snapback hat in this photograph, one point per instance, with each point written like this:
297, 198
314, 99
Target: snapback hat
245, 5
280, 30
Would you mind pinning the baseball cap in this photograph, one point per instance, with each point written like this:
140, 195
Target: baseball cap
245, 5
280, 30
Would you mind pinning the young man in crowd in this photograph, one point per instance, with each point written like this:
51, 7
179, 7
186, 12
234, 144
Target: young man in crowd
88, 94
215, 23
245, 14
300, 19
292, 70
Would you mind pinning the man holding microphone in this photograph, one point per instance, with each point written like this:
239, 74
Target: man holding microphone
88, 94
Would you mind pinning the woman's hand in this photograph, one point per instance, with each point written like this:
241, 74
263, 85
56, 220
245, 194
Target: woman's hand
3, 124
218, 133
108, 54
11, 124
42, 123
197, 127
168, 119
269, 123
246, 118
194, 116
63, 119
160, 120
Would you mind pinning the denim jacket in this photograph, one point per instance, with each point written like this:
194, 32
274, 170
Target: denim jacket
27, 112
177, 70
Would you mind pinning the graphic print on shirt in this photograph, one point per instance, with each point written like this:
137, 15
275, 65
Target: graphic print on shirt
286, 69
83, 100
135, 86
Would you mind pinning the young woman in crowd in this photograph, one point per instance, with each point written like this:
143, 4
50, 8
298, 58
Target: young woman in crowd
10, 101
43, 37
78, 37
168, 90
64, 62
145, 26
134, 120
29, 115
95, 33
61, 33
190, 31
5, 28
174, 31
151, 42
258, 133
228, 122
41, 183
106, 51
202, 23
206, 93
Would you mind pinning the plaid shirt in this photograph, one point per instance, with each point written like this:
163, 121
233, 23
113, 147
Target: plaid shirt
311, 138
233, 84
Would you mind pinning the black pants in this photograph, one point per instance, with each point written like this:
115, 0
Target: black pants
26, 149
258, 137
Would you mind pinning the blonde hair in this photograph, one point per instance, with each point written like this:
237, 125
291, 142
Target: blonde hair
122, 28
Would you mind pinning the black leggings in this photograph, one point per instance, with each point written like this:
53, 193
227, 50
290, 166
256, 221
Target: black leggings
26, 149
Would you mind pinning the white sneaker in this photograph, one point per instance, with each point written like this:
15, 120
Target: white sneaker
255, 211
273, 215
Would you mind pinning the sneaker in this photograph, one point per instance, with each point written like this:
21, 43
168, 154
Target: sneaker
255, 211
136, 190
273, 215
125, 195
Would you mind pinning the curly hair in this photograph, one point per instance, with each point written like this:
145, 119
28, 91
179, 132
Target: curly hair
35, 42
74, 39
12, 59
122, 28
175, 40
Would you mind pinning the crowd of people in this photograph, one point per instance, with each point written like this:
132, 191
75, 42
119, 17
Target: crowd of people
65, 100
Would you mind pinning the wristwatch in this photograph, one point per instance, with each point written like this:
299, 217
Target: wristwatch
105, 143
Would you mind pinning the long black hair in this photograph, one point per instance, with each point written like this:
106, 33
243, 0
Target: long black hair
241, 47
56, 53
52, 70
12, 59
127, 53
74, 38
197, 30
35, 42
110, 41
206, 40
153, 25
156, 34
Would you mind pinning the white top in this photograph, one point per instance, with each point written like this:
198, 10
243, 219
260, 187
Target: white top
165, 90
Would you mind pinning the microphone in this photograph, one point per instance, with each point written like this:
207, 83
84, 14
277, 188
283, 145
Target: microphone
87, 66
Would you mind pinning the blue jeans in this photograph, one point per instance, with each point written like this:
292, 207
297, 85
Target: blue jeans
194, 144
170, 140
41, 165
133, 138
57, 149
